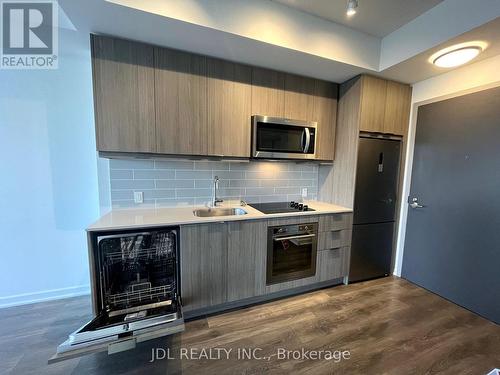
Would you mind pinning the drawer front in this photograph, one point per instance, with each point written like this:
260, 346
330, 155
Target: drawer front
335, 222
333, 263
302, 219
292, 284
334, 239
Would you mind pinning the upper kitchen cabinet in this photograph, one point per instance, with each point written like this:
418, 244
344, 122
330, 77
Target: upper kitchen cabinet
268, 92
385, 106
299, 97
397, 108
123, 77
181, 102
325, 114
295, 97
159, 100
229, 108
373, 95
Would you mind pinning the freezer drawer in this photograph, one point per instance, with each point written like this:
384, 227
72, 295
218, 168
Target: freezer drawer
371, 251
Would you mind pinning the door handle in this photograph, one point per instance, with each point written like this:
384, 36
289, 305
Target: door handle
414, 203
308, 140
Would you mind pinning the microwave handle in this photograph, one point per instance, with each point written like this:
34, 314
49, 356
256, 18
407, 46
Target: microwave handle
308, 140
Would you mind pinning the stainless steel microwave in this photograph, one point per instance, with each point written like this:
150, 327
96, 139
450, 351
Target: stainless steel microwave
278, 138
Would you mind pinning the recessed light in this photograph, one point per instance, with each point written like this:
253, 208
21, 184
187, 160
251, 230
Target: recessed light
457, 55
351, 7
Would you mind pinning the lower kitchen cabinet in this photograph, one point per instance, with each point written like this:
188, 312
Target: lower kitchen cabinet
335, 222
203, 265
332, 263
333, 239
246, 259
226, 262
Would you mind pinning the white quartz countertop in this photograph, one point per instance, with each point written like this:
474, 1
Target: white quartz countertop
158, 217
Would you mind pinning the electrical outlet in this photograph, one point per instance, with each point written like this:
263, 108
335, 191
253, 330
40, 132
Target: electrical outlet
138, 197
304, 193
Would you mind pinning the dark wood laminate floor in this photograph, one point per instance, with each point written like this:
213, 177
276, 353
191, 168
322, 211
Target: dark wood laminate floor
389, 326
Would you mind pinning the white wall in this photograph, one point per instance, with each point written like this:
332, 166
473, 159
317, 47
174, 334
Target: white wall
470, 78
48, 172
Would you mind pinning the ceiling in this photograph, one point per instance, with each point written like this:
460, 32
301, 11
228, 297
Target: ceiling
419, 68
375, 17
277, 36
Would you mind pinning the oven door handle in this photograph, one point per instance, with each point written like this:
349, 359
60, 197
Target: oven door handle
307, 132
294, 237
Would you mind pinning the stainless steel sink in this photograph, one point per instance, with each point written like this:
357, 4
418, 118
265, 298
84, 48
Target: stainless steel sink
209, 212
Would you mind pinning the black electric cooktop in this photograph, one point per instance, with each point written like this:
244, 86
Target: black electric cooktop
280, 207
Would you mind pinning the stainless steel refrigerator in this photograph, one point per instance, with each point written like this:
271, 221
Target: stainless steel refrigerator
374, 208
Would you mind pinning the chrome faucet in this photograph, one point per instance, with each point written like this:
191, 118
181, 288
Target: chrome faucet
215, 200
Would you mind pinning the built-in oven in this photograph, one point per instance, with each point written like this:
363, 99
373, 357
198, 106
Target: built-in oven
135, 292
291, 252
278, 138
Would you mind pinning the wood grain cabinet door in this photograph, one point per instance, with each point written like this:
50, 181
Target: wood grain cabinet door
229, 108
246, 259
268, 95
397, 108
203, 265
299, 97
325, 114
181, 102
123, 76
332, 263
373, 97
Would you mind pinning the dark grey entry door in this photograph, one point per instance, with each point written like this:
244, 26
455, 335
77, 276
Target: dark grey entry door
452, 244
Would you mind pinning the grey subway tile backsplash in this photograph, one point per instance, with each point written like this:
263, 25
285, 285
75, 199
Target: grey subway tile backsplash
170, 183
131, 164
159, 193
174, 184
193, 175
132, 184
193, 193
211, 165
230, 175
121, 174
244, 183
154, 174
174, 165
121, 195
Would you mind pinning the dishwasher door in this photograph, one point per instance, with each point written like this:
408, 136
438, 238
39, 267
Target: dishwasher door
95, 337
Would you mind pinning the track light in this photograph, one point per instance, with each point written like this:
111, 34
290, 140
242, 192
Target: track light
351, 7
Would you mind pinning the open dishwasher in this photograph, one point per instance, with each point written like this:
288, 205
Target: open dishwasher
135, 292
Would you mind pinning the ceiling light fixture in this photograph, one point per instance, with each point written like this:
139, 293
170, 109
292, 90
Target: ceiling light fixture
457, 55
351, 7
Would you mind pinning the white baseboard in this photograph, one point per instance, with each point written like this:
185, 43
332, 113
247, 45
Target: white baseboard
45, 295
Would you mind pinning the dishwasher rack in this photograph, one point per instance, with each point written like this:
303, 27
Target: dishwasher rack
138, 269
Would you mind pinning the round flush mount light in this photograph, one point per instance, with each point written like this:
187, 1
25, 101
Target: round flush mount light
457, 55
351, 7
